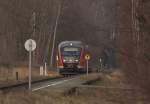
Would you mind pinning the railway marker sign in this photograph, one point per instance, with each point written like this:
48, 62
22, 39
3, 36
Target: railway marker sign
87, 58
30, 45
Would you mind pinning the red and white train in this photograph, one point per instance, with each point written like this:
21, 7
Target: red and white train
70, 58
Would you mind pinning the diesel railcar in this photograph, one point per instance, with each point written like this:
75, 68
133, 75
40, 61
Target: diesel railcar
70, 58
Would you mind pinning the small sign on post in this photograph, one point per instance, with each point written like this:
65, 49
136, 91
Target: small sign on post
30, 45
87, 58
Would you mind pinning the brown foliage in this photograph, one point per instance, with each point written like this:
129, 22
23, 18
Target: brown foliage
135, 45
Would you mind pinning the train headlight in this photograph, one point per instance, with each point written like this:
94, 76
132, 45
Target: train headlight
56, 58
64, 60
76, 60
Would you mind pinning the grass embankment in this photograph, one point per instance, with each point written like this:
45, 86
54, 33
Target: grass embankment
114, 79
8, 76
78, 95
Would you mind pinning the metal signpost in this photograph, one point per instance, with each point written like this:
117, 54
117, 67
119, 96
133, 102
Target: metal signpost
30, 45
87, 58
100, 60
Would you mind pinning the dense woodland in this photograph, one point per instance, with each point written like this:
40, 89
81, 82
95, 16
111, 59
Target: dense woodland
118, 28
135, 49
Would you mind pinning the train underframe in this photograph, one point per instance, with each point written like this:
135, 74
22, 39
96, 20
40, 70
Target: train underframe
71, 69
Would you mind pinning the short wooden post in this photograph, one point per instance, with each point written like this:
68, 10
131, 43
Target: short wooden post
17, 76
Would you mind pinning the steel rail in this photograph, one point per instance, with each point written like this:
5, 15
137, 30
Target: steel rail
25, 84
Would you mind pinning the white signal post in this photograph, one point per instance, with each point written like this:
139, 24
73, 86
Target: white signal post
45, 69
100, 60
30, 45
41, 70
87, 58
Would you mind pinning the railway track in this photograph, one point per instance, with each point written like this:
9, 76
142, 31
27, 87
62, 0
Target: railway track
37, 85
24, 85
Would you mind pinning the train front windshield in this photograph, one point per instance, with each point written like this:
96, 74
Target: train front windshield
71, 52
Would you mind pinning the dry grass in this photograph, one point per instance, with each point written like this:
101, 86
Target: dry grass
8, 76
81, 96
90, 77
76, 95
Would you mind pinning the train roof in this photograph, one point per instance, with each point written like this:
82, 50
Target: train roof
71, 43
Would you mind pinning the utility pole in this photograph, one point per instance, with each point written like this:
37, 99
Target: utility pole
33, 24
55, 32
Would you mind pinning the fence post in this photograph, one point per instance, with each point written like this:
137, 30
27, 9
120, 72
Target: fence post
17, 77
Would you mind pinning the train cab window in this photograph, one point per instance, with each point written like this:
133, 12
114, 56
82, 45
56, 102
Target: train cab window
71, 51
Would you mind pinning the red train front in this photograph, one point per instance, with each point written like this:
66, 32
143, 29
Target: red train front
70, 58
